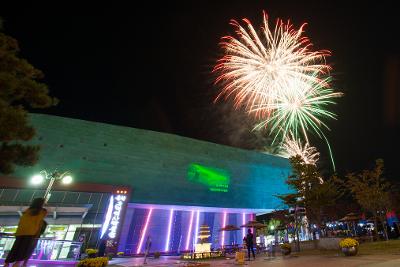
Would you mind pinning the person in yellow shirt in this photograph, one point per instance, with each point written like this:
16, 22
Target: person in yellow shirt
29, 227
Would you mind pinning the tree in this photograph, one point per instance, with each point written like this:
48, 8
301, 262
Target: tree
19, 89
372, 192
293, 201
309, 192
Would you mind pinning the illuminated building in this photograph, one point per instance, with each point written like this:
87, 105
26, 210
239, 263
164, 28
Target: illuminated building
151, 184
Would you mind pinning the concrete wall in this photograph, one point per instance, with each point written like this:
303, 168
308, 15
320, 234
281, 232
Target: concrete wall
322, 243
155, 164
329, 243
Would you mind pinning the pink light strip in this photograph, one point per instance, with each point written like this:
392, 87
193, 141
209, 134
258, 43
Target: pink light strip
190, 230
196, 233
223, 232
171, 214
244, 222
253, 219
144, 231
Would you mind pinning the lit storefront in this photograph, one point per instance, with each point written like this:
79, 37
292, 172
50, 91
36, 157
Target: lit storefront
74, 218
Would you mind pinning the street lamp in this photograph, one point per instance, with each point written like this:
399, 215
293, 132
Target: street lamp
37, 179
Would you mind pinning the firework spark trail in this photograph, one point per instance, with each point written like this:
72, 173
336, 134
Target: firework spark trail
299, 110
277, 77
256, 72
294, 147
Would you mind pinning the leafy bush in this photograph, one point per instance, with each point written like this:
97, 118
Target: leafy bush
94, 262
90, 251
348, 243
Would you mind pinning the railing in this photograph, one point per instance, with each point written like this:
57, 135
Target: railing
46, 249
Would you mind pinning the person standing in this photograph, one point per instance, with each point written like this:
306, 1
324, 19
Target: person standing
250, 243
29, 228
35, 241
102, 248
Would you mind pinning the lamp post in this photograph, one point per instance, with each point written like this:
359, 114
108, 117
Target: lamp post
40, 178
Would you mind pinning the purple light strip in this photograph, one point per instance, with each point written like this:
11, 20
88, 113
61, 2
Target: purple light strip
244, 222
190, 230
144, 231
171, 214
196, 233
223, 232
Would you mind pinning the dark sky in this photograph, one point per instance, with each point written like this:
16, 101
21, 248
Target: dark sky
149, 66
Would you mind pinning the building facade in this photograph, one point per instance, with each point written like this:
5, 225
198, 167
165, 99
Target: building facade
132, 185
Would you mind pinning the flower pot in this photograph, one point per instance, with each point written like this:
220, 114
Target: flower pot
285, 251
350, 251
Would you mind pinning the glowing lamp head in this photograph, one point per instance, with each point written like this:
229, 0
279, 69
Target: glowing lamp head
67, 179
37, 179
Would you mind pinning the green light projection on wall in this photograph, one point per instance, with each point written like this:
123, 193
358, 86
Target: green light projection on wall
216, 180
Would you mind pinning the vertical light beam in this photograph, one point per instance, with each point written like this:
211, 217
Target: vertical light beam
223, 232
190, 231
196, 233
171, 215
253, 218
144, 231
244, 222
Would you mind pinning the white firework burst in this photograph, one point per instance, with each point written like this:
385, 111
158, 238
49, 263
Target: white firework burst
294, 147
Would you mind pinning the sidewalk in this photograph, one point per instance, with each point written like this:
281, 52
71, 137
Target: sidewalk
279, 261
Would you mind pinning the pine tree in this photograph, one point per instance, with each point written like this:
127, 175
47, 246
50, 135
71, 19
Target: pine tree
20, 90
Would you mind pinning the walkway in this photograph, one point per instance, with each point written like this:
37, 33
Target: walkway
391, 260
290, 261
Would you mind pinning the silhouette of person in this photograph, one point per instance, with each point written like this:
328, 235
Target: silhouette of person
250, 243
29, 228
102, 248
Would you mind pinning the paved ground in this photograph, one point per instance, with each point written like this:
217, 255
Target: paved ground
37, 263
337, 260
290, 261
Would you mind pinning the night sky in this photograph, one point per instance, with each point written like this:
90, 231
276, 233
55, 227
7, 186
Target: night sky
149, 66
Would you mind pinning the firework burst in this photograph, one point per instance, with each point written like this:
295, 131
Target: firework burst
257, 69
294, 147
278, 78
299, 110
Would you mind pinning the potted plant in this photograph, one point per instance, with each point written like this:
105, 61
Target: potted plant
286, 249
157, 255
349, 246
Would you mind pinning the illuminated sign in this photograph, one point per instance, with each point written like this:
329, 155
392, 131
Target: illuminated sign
113, 215
216, 180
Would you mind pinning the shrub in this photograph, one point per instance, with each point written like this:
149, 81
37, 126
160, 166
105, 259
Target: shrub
286, 246
90, 251
348, 243
94, 262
